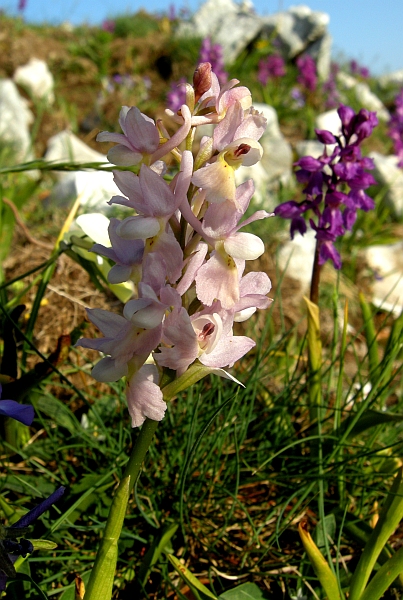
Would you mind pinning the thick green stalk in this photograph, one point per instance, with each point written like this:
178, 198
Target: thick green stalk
139, 451
102, 575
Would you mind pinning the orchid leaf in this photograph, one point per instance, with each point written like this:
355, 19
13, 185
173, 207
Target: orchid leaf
319, 564
103, 573
155, 551
370, 334
43, 544
245, 591
384, 577
200, 591
371, 418
194, 373
389, 519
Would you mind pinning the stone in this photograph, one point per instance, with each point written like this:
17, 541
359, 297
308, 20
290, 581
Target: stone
95, 188
395, 78
330, 121
275, 168
363, 94
309, 148
388, 174
36, 78
232, 25
300, 30
386, 261
235, 26
296, 256
15, 121
65, 146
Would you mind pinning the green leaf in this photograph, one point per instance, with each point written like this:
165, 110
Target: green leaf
200, 591
245, 591
330, 529
314, 341
384, 577
319, 564
314, 358
103, 573
158, 546
58, 412
371, 418
26, 578
389, 519
43, 544
194, 373
370, 334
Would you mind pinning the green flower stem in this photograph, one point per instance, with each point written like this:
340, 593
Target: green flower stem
139, 451
314, 294
102, 575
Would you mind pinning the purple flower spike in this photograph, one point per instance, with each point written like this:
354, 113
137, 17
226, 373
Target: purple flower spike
325, 136
334, 184
395, 128
307, 77
24, 413
273, 67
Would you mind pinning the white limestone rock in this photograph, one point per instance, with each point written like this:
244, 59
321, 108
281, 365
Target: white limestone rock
388, 174
95, 188
296, 256
275, 168
387, 288
395, 78
299, 30
309, 148
36, 78
363, 95
65, 146
235, 26
15, 119
330, 121
230, 24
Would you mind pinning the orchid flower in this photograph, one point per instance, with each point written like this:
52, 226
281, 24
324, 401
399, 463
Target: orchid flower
182, 245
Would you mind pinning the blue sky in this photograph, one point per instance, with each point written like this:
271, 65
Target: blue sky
371, 31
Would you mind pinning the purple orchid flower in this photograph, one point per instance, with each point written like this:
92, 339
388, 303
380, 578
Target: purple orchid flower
24, 413
334, 184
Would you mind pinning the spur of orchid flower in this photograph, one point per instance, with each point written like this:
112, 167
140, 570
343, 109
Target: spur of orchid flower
181, 245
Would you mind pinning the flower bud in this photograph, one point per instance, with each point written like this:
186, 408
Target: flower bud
202, 80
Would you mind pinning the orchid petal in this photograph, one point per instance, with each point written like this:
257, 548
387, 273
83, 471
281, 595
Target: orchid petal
144, 397
123, 157
107, 371
24, 413
245, 246
138, 228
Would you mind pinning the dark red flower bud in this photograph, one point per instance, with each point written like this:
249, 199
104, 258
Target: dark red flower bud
202, 80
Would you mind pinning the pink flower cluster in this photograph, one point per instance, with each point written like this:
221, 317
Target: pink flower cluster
182, 247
